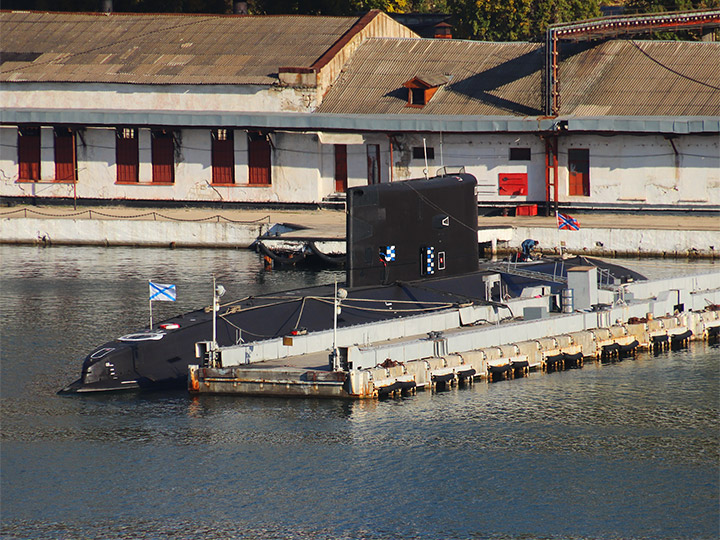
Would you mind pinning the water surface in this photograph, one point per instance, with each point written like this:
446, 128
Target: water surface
624, 450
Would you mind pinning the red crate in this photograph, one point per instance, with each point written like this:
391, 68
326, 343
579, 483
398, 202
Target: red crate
526, 210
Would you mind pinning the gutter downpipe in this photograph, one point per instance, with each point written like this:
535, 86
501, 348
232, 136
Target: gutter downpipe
551, 170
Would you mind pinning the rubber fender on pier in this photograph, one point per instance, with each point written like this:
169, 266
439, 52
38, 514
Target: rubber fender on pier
519, 363
443, 378
466, 373
573, 359
329, 259
610, 349
681, 336
628, 347
499, 368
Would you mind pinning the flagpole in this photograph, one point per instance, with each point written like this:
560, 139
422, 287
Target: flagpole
557, 233
151, 322
214, 308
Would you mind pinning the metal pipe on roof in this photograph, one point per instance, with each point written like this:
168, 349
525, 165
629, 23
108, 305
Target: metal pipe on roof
106, 6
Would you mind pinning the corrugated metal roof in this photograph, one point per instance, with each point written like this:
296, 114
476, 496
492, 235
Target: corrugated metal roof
615, 77
486, 78
135, 49
637, 78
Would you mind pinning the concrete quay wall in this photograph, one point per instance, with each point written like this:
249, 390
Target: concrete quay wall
116, 232
600, 235
622, 242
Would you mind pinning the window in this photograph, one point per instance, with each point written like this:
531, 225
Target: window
126, 154
223, 156
419, 152
519, 154
163, 156
579, 172
65, 155
259, 166
417, 97
28, 153
340, 167
373, 163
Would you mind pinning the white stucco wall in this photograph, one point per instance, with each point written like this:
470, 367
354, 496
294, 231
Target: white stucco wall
645, 169
624, 169
485, 156
136, 97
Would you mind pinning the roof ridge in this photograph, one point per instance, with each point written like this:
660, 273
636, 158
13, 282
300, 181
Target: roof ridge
165, 14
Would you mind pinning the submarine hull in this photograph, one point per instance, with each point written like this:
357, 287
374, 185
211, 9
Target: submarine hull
159, 358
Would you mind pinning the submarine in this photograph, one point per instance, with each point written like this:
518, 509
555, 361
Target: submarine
411, 249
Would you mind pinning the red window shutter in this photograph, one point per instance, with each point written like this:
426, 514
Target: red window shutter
127, 155
29, 153
259, 161
163, 157
512, 184
64, 155
340, 167
223, 157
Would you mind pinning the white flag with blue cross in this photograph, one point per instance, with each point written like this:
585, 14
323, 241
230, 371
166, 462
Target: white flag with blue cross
162, 292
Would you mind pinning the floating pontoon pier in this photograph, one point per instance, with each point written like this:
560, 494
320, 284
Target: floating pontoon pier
375, 362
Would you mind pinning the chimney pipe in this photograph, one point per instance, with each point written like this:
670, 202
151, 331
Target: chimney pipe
443, 31
106, 6
240, 8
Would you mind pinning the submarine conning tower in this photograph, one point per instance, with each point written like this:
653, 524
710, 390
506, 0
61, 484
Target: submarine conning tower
411, 230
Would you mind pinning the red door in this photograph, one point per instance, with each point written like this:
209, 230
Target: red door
579, 172
29, 153
163, 158
340, 167
64, 155
223, 157
259, 161
127, 156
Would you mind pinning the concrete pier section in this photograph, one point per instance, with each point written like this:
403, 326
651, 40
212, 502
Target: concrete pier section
467, 343
603, 235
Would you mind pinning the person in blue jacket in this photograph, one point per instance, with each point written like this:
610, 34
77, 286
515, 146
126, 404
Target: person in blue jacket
527, 246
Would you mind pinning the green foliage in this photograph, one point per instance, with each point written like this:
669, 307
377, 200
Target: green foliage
511, 20
654, 6
488, 20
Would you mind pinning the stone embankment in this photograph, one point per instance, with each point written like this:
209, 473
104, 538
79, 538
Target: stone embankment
606, 235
